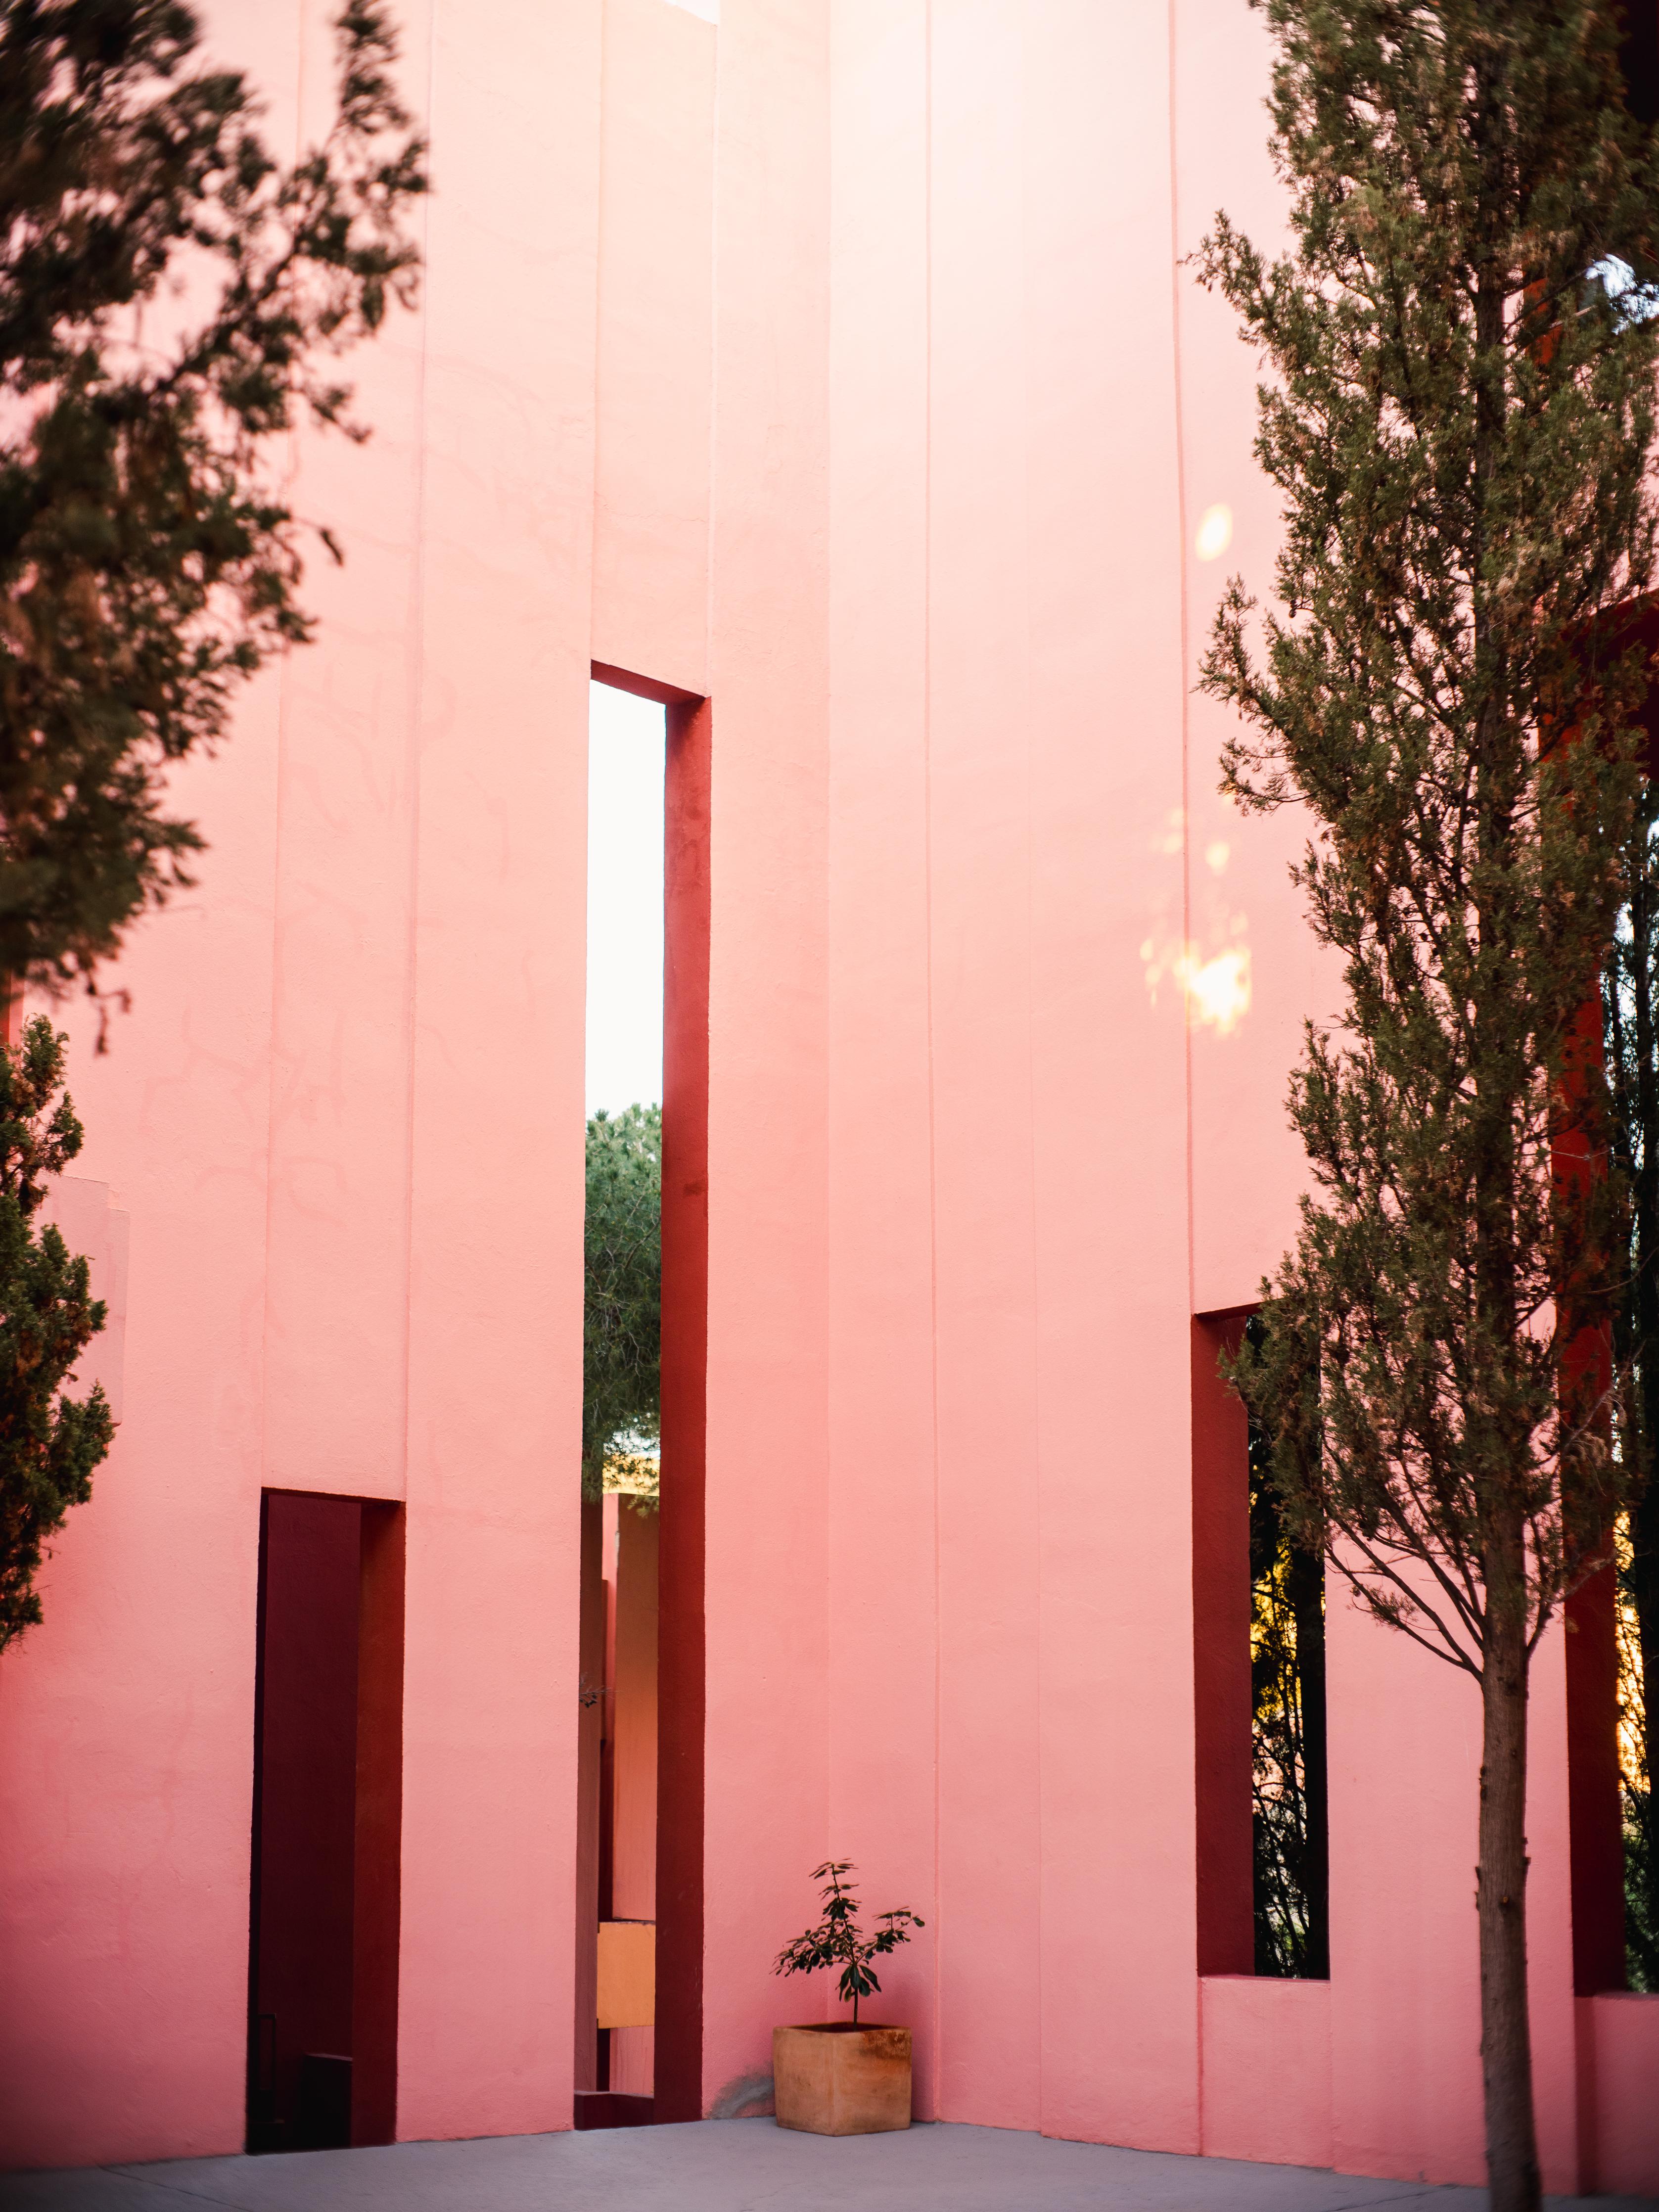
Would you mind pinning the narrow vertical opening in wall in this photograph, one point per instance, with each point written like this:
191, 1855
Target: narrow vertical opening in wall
620, 1408
1639, 59
1221, 1653
1612, 1648
1289, 1764
1261, 1794
639, 1979
327, 1819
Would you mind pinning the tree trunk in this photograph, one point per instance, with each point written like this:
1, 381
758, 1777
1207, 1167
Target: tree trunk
1501, 1898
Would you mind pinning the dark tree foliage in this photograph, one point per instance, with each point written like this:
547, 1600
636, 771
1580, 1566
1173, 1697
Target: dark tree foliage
621, 1324
169, 292
1458, 413
1631, 1003
1290, 1824
838, 1941
1641, 1812
49, 1443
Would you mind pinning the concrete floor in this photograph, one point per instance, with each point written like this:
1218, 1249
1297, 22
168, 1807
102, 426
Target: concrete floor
734, 2166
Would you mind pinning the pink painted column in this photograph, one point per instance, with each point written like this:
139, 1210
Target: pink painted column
882, 1729
767, 1504
494, 1318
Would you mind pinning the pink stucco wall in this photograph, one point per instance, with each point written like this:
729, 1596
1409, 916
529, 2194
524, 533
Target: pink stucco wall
835, 364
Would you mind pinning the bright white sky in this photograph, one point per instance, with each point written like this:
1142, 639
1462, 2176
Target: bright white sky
626, 755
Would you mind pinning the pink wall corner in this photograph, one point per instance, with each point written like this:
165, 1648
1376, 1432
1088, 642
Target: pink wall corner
1267, 2069
1624, 2033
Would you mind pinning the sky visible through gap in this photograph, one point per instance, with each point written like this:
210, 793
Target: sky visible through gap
626, 756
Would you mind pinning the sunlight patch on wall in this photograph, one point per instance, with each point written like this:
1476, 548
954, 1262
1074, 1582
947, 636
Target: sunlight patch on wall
1211, 970
1215, 532
1217, 989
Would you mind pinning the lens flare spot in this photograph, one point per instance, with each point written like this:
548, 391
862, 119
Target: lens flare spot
1217, 856
1215, 532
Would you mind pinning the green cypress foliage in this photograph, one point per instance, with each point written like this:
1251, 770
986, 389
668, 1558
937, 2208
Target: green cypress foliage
1458, 415
621, 1324
49, 1443
1288, 1825
1631, 999
148, 561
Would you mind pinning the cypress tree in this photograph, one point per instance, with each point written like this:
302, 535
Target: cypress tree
50, 1443
1457, 410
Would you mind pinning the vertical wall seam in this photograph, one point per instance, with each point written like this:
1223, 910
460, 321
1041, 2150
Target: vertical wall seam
415, 665
711, 681
1186, 814
827, 787
1186, 647
932, 1124
272, 1015
714, 142
1033, 1204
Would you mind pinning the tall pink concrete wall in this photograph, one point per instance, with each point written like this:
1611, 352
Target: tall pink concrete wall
837, 363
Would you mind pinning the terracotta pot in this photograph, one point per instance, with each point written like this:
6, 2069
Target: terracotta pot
831, 2078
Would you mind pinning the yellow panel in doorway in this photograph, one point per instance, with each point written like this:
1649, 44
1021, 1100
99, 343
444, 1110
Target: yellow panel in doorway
627, 1973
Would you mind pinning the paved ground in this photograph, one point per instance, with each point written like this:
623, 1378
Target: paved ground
732, 2165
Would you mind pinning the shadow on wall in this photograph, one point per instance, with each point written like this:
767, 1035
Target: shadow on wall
745, 2097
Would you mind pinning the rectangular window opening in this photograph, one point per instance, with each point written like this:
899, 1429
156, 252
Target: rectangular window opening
639, 1996
1259, 1679
1636, 1636
1639, 59
621, 1471
327, 1819
1612, 1651
1290, 1845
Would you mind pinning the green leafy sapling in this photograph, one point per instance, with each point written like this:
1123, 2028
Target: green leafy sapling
838, 1941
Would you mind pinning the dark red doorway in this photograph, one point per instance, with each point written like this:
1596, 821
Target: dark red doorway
327, 1792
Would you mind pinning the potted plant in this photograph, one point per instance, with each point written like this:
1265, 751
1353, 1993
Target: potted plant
842, 2077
